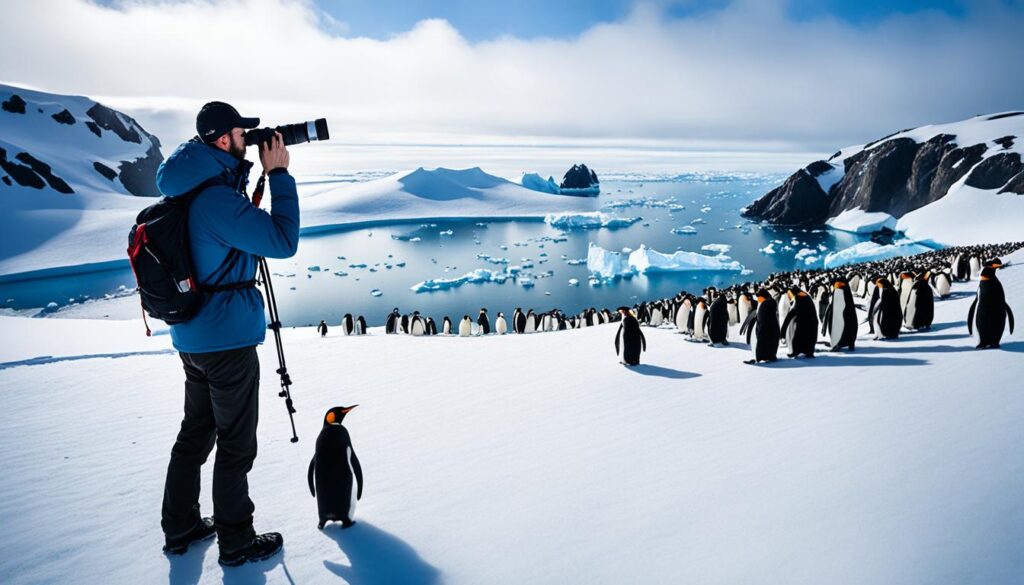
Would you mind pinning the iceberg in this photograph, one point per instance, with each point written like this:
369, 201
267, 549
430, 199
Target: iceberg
871, 252
684, 231
590, 220
859, 221
608, 264
720, 248
534, 182
476, 276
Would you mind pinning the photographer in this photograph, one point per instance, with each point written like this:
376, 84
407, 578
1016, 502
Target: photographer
218, 345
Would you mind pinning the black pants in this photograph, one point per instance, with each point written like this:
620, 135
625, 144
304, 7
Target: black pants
222, 407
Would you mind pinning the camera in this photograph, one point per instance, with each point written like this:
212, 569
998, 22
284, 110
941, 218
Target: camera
315, 130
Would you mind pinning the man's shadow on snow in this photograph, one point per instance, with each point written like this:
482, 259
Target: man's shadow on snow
649, 370
377, 557
187, 569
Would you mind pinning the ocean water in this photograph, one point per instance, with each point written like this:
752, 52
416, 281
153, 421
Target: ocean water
369, 271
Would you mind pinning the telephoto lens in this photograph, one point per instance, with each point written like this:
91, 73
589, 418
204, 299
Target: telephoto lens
315, 130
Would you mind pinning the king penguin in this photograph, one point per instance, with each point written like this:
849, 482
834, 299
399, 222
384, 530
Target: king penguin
633, 340
800, 326
335, 475
989, 311
840, 319
762, 329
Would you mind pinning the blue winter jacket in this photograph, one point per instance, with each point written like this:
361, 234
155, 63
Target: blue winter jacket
221, 218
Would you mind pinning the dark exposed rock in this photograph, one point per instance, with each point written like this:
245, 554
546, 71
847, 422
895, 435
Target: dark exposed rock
43, 170
836, 155
995, 171
108, 120
6, 180
104, 170
64, 117
139, 175
953, 166
21, 174
14, 104
922, 174
1016, 185
94, 128
798, 201
876, 178
1006, 141
579, 177
819, 168
1006, 115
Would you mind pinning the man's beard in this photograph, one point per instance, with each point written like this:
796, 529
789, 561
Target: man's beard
237, 149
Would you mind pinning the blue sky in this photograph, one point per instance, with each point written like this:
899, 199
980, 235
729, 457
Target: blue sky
481, 20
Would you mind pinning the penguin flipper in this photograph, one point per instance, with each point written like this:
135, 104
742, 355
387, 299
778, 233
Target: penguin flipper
1009, 315
970, 317
826, 321
785, 322
749, 324
643, 340
358, 470
618, 334
312, 466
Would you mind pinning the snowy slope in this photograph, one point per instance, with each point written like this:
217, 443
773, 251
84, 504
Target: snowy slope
429, 194
512, 460
65, 218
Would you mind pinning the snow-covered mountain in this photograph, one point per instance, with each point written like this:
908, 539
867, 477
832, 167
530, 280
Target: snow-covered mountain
947, 183
72, 144
73, 175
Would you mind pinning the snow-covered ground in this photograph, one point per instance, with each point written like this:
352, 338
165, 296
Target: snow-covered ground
511, 460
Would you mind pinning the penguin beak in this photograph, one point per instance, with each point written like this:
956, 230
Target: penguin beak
348, 409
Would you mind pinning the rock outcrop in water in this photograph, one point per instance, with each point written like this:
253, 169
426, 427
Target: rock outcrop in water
901, 173
580, 180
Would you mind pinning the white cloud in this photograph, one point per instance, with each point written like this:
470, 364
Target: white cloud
741, 75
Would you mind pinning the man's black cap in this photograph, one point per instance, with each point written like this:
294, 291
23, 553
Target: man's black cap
217, 119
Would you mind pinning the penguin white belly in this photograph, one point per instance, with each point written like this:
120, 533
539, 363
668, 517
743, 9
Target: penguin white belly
698, 325
942, 286
734, 314
975, 266
681, 320
354, 496
656, 318
910, 309
501, 327
838, 323
465, 329
446, 329
744, 309
417, 328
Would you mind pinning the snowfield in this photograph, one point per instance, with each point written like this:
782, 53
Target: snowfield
511, 460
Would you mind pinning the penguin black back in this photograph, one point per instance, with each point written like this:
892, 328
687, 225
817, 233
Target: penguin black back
335, 475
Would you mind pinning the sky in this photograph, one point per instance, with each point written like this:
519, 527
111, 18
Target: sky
765, 75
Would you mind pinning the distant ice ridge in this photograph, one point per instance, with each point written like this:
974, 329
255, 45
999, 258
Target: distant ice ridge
477, 276
535, 182
590, 220
609, 264
871, 252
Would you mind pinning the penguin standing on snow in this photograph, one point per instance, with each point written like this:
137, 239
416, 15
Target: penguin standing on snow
989, 311
360, 326
800, 327
717, 318
884, 313
431, 326
762, 329
840, 320
919, 312
483, 322
417, 327
465, 326
940, 281
347, 325
700, 311
335, 475
322, 328
391, 326
446, 326
500, 325
518, 321
633, 340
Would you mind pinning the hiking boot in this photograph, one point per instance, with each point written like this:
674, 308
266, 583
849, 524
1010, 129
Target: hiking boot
201, 531
262, 547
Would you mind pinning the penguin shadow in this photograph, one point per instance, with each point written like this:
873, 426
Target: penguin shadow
841, 359
1013, 346
187, 569
662, 372
377, 557
947, 325
897, 348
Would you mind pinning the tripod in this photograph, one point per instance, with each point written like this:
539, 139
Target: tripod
275, 319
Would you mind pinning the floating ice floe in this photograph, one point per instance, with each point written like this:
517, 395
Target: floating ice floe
574, 282
608, 264
526, 282
591, 220
313, 268
376, 292
720, 248
804, 253
769, 249
341, 273
684, 231
446, 232
871, 252
477, 276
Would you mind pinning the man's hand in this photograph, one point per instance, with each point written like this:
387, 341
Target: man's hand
274, 154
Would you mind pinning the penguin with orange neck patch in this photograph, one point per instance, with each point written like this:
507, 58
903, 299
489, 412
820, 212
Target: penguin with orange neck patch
762, 329
335, 475
800, 326
989, 311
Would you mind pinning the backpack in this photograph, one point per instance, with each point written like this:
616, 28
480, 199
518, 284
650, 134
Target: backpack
159, 254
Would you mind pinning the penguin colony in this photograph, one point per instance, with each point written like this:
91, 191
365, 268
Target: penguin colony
786, 310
